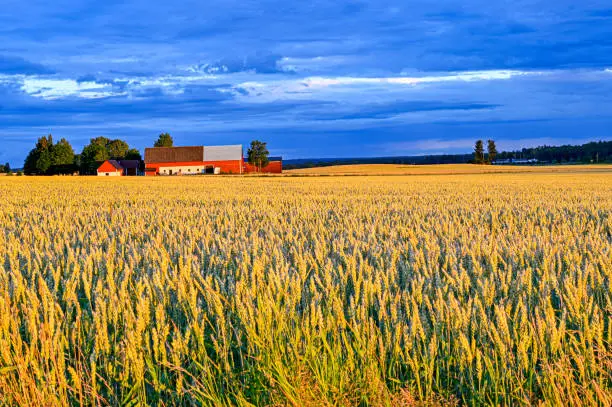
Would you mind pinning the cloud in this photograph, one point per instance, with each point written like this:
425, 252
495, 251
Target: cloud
405, 80
17, 65
266, 91
396, 108
256, 64
317, 64
92, 87
311, 77
51, 89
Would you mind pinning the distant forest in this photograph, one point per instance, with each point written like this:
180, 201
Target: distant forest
593, 152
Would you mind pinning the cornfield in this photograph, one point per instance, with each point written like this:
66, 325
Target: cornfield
490, 289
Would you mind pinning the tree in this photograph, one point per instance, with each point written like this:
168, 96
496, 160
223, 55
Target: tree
93, 154
62, 153
133, 154
48, 158
39, 159
6, 168
164, 140
117, 149
103, 141
258, 154
479, 152
101, 149
491, 150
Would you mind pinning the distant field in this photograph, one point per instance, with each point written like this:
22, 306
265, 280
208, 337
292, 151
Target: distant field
393, 169
413, 291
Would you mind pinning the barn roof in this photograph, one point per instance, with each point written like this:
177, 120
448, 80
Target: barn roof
129, 164
115, 164
110, 166
173, 154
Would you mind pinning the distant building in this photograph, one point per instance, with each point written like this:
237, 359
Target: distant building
110, 168
117, 168
516, 161
275, 166
202, 160
130, 167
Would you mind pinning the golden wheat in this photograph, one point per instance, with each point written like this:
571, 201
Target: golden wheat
489, 289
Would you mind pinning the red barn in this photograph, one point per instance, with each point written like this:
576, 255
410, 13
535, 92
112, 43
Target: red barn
203, 160
275, 166
110, 168
194, 160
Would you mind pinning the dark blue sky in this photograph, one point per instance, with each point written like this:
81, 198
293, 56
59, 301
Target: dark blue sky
313, 78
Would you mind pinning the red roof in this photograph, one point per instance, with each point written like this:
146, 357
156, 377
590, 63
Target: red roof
110, 166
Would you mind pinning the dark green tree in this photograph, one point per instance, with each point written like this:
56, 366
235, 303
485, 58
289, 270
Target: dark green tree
117, 149
164, 140
479, 152
92, 156
491, 151
258, 154
133, 154
39, 159
101, 149
62, 153
103, 141
6, 168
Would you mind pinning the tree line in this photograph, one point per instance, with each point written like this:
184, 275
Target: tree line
593, 152
49, 158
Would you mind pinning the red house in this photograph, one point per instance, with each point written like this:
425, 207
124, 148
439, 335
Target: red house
116, 168
110, 168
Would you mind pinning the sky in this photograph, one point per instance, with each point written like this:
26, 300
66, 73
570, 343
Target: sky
340, 78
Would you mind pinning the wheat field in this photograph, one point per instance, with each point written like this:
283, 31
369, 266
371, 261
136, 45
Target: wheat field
490, 289
446, 169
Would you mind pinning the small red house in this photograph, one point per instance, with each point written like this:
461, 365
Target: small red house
110, 168
116, 168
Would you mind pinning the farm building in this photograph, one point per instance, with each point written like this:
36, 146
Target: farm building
201, 160
275, 166
115, 168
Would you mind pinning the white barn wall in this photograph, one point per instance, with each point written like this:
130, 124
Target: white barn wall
182, 169
223, 153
